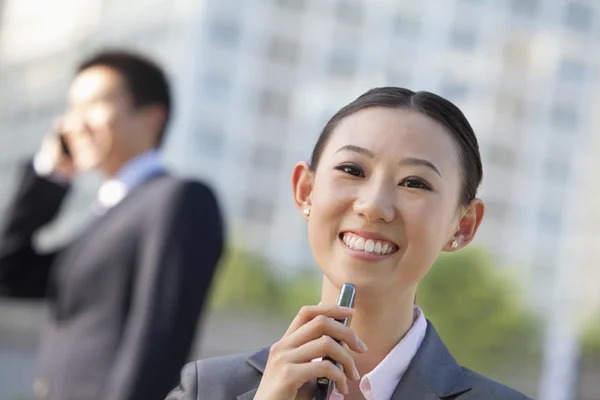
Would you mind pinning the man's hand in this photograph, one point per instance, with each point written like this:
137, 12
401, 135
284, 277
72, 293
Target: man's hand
51, 160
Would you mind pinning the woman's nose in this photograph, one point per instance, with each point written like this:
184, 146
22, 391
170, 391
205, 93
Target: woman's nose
375, 202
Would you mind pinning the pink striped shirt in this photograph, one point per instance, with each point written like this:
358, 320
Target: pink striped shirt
380, 383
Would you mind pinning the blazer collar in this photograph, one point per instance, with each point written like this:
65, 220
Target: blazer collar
433, 374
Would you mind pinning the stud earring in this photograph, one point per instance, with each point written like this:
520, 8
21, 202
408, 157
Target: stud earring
454, 244
307, 212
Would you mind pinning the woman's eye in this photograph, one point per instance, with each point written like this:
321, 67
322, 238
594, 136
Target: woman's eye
415, 183
351, 169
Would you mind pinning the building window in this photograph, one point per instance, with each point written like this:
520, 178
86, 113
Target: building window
564, 118
571, 70
224, 33
516, 54
349, 11
525, 8
463, 39
258, 210
454, 90
210, 140
215, 86
406, 26
557, 169
550, 221
398, 78
510, 107
342, 64
296, 5
283, 50
501, 156
266, 157
271, 102
578, 16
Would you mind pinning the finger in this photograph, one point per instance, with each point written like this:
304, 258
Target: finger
308, 313
318, 369
322, 325
325, 347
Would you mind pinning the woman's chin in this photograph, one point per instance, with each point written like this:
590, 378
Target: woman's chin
365, 283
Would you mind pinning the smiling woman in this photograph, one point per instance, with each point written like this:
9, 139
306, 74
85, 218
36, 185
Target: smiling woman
392, 183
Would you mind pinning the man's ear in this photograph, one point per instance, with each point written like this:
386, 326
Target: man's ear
302, 186
153, 117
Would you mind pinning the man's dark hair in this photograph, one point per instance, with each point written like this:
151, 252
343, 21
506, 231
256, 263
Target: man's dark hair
144, 79
426, 103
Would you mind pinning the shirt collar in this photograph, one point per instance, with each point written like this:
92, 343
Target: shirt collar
384, 378
136, 170
133, 173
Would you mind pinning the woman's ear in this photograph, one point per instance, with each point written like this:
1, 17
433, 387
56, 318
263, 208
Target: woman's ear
302, 186
467, 226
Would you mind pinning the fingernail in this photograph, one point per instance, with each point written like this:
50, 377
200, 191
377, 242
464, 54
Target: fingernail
361, 344
356, 374
342, 308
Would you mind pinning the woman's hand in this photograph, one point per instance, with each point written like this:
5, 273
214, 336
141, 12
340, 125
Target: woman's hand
311, 335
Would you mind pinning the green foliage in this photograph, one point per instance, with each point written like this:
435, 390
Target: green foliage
591, 338
303, 289
476, 309
245, 281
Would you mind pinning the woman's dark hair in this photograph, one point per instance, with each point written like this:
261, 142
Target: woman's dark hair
432, 105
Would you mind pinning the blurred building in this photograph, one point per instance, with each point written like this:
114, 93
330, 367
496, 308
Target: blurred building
257, 80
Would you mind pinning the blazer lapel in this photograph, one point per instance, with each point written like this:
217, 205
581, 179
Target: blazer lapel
257, 361
248, 395
433, 374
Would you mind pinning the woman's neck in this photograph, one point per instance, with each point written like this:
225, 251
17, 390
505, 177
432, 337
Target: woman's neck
380, 321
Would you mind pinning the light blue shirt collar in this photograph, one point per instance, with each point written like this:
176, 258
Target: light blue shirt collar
139, 168
135, 172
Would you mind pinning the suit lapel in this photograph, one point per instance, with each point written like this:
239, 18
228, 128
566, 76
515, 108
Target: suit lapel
413, 387
248, 395
433, 374
257, 361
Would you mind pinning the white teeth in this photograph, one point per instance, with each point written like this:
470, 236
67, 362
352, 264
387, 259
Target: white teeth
367, 245
351, 241
359, 244
378, 248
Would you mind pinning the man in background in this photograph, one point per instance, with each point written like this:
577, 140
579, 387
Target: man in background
125, 294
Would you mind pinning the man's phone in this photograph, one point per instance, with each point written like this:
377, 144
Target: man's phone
64, 147
347, 294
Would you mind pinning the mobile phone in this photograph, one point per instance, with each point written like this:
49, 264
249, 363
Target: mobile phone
347, 295
64, 146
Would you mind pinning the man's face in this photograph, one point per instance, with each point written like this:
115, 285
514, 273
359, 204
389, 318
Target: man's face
101, 123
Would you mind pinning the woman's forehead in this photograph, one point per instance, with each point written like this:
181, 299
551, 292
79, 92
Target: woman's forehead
395, 132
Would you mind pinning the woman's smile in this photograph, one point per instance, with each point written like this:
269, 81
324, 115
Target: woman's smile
367, 246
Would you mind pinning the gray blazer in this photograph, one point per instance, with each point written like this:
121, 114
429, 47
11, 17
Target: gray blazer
432, 375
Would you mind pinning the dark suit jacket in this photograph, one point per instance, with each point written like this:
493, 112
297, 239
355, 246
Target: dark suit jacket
124, 296
432, 375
